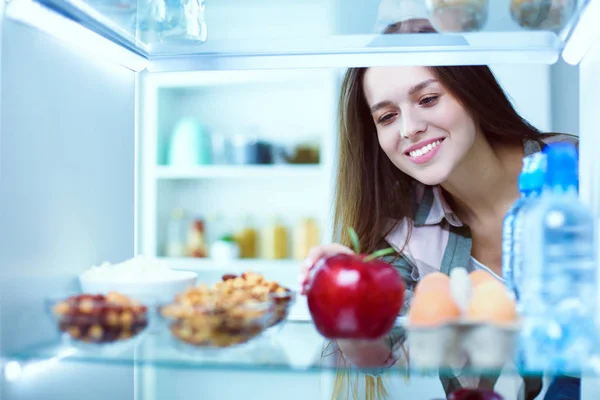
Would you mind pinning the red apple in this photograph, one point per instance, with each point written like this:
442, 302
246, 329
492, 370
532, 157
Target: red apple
474, 394
351, 297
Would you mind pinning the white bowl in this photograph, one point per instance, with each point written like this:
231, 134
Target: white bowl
161, 287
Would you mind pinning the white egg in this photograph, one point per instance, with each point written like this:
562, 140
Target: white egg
460, 287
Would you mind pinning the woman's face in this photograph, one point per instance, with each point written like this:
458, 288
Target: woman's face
421, 127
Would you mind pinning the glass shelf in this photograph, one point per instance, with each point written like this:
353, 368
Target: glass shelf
255, 34
295, 347
269, 171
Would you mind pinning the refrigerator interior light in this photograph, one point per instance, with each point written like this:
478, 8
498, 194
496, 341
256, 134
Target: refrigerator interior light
17, 371
585, 34
48, 21
12, 371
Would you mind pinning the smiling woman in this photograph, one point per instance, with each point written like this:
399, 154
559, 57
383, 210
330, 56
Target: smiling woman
400, 126
428, 163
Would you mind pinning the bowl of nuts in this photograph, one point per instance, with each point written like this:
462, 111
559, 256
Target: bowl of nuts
93, 321
228, 314
263, 289
283, 300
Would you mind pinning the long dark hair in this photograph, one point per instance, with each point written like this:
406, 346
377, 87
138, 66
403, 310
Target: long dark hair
370, 189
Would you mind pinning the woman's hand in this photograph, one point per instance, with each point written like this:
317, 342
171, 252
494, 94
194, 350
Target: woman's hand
314, 255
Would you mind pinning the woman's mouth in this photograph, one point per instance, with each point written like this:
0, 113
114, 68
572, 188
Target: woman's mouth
424, 153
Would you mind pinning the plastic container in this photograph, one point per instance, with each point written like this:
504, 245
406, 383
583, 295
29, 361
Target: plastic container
560, 271
486, 345
98, 322
433, 347
531, 181
457, 15
542, 14
190, 144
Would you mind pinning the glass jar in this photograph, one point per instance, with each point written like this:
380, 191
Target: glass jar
171, 20
542, 14
457, 15
186, 21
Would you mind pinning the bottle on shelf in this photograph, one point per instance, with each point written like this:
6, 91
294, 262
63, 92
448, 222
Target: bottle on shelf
559, 284
196, 240
306, 236
247, 240
531, 181
275, 241
176, 234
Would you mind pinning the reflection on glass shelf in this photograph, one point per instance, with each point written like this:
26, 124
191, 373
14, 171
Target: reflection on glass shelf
238, 172
238, 34
278, 350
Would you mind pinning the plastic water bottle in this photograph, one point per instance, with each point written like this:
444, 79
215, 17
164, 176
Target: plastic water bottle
559, 277
530, 186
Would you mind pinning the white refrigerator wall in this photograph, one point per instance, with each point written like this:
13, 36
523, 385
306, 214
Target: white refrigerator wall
67, 198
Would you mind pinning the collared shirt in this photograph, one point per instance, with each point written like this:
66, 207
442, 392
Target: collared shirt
439, 241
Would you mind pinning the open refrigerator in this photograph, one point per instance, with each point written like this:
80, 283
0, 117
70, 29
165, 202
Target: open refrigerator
80, 180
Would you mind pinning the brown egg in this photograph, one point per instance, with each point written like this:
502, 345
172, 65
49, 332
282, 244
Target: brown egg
432, 307
491, 302
478, 277
435, 281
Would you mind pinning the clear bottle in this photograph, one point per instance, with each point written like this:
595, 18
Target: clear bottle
559, 282
530, 186
176, 234
508, 229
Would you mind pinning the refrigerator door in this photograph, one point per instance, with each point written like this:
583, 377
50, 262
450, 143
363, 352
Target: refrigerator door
589, 163
67, 181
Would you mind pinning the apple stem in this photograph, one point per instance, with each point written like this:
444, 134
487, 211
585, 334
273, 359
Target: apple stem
379, 253
354, 240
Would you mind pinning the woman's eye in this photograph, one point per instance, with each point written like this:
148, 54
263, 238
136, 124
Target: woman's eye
428, 100
386, 118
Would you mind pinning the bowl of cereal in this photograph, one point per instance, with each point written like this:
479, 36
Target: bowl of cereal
225, 315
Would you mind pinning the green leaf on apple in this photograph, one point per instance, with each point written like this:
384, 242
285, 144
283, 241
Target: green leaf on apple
380, 253
354, 240
356, 247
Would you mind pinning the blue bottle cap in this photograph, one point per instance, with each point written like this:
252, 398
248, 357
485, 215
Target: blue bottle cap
562, 160
533, 172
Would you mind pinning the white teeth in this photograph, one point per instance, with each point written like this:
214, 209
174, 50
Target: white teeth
425, 149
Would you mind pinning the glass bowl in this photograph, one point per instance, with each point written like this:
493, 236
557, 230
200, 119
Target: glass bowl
282, 303
96, 321
458, 15
542, 14
217, 322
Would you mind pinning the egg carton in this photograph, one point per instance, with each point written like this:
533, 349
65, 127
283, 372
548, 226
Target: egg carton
486, 345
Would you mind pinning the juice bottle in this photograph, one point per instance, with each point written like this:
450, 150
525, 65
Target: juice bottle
306, 236
275, 241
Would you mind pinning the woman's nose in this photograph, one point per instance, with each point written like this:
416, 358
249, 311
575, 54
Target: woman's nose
411, 125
